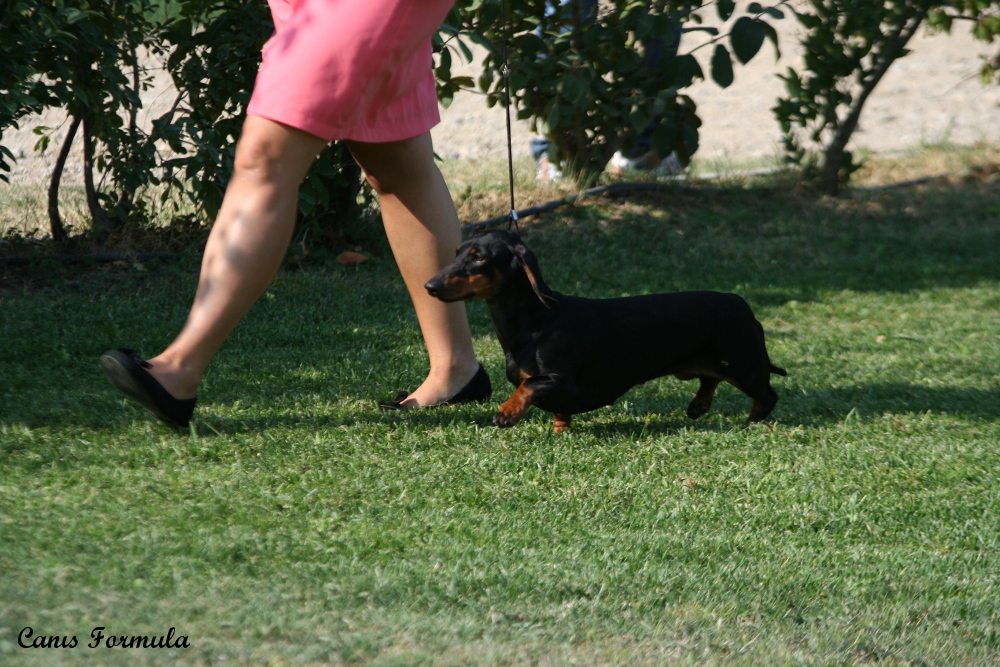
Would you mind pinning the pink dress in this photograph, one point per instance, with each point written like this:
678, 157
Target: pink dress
351, 69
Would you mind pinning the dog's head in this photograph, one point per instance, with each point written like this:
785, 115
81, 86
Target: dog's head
485, 266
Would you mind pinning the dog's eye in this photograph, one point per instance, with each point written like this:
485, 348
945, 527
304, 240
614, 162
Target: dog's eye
476, 256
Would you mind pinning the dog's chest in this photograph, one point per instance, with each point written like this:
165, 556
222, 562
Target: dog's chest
521, 363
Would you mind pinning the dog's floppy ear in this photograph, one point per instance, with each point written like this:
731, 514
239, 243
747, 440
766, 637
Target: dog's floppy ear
534, 274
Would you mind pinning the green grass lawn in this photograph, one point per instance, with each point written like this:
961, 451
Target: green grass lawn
296, 524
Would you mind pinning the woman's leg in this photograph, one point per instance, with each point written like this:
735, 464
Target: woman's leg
244, 249
422, 227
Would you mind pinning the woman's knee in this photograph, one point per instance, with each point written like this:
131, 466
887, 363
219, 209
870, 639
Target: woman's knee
390, 167
378, 185
259, 158
272, 153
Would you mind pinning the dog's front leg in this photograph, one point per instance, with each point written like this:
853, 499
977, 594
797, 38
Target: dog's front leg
523, 397
514, 407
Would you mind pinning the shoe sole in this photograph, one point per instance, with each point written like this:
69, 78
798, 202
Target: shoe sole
122, 379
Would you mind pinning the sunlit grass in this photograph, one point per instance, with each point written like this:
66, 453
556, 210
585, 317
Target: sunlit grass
296, 524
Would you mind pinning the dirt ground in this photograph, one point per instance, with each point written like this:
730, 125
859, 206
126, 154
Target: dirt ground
932, 96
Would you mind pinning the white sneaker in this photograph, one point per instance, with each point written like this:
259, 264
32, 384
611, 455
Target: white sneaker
547, 172
669, 166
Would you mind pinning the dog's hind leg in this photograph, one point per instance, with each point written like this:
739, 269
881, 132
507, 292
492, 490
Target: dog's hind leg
763, 405
561, 423
756, 385
702, 400
750, 372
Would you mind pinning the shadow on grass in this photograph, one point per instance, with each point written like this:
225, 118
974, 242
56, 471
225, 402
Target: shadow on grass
826, 405
663, 414
651, 411
772, 246
371, 419
347, 327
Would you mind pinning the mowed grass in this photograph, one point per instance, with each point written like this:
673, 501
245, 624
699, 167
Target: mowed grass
296, 524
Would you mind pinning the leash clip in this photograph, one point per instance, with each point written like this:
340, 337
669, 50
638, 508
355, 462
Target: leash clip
512, 221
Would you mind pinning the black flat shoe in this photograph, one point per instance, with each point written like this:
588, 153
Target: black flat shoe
127, 371
477, 390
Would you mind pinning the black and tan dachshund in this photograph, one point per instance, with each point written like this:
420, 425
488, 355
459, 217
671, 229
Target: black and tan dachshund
568, 354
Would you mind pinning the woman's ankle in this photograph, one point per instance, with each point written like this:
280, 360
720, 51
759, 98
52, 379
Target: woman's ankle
180, 379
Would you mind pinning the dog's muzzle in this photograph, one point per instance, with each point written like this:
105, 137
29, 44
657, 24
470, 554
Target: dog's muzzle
434, 286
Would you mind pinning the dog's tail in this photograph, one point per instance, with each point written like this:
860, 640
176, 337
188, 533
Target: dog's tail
777, 370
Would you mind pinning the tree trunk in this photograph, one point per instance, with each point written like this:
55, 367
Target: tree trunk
56, 226
127, 197
100, 223
833, 155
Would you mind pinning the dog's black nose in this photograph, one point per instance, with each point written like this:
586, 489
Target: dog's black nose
434, 286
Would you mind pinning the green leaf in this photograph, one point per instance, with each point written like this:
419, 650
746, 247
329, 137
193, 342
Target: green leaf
465, 51
772, 36
722, 66
444, 64
42, 143
746, 38
73, 15
307, 198
485, 81
638, 120
554, 115
687, 70
725, 8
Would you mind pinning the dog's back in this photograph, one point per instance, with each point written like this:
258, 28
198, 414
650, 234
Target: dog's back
609, 346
